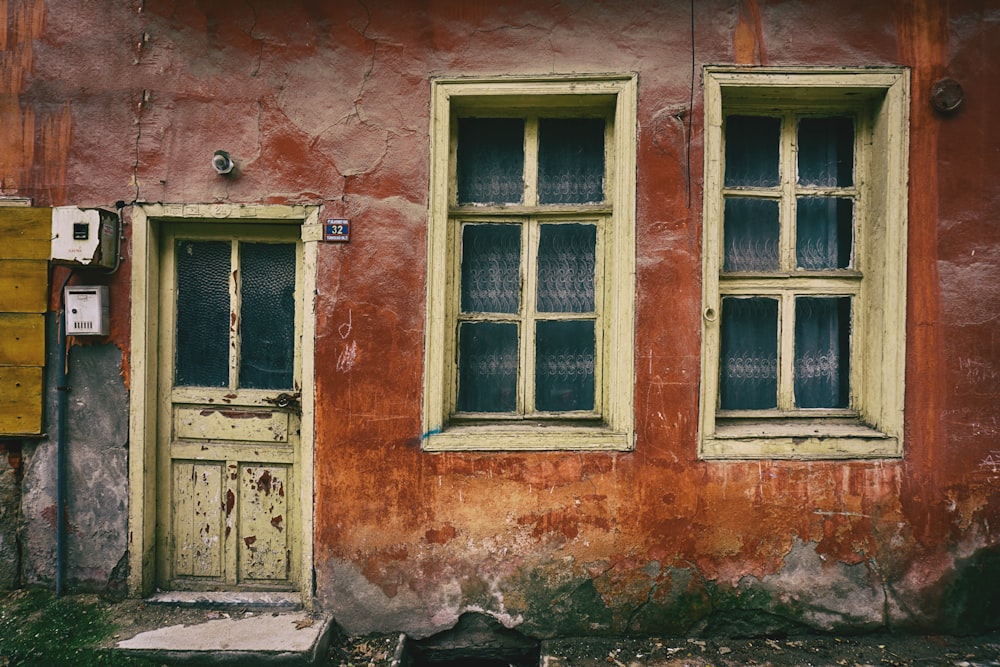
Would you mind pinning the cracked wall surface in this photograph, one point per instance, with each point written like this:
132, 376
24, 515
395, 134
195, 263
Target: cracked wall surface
328, 104
97, 493
10, 508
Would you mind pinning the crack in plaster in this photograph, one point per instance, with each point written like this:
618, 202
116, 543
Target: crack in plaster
528, 26
630, 623
357, 111
883, 584
371, 62
657, 583
523, 26
260, 48
138, 137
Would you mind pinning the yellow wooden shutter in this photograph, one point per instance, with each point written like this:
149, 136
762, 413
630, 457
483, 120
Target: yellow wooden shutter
24, 292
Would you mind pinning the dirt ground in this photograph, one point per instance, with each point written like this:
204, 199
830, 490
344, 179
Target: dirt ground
817, 651
134, 616
808, 651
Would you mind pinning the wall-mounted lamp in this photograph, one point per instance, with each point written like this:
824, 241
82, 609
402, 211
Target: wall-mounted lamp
947, 95
222, 163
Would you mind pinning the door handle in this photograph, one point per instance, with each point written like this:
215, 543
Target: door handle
285, 401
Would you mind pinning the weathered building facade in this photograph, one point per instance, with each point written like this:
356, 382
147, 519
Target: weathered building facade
329, 369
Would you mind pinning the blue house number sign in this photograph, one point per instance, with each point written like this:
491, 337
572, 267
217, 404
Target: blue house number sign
336, 231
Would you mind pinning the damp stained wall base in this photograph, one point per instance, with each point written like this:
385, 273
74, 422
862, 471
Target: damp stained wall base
97, 455
809, 594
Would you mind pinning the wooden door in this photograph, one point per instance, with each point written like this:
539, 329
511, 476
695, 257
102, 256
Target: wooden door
228, 434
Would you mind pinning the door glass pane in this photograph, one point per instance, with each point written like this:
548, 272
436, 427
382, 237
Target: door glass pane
267, 317
491, 268
566, 255
752, 149
822, 352
487, 367
202, 334
824, 232
751, 233
570, 160
490, 160
826, 151
749, 370
564, 366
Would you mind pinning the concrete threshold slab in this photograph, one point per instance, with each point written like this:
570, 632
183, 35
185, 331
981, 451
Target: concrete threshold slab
269, 638
275, 600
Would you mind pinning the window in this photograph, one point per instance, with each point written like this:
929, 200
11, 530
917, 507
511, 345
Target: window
530, 264
804, 263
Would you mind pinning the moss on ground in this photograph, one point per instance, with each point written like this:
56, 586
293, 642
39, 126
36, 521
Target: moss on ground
37, 628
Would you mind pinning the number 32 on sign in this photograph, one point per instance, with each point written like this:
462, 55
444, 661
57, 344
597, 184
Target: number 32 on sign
337, 231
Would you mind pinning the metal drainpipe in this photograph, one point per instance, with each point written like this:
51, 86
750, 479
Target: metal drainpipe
62, 391
62, 394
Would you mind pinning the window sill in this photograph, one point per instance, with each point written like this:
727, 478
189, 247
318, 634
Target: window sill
526, 437
805, 439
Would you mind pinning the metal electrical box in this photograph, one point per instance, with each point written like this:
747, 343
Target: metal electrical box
85, 236
87, 310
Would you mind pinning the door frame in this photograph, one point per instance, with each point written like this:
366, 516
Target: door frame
146, 222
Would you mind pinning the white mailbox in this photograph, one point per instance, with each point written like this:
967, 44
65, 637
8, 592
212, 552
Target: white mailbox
87, 311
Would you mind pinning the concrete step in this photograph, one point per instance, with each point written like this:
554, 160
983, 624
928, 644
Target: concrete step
274, 600
266, 637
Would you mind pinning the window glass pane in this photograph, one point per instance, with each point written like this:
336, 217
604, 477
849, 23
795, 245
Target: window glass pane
749, 369
826, 151
822, 352
752, 148
570, 160
202, 335
491, 268
267, 315
824, 232
751, 231
490, 160
487, 367
564, 365
566, 268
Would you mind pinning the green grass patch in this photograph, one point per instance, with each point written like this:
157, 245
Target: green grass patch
37, 628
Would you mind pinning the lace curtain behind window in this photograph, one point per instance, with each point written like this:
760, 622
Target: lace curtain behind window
749, 370
822, 359
490, 160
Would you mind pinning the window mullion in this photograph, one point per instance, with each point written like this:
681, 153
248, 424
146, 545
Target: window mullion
529, 240
786, 351
234, 308
788, 182
601, 324
787, 227
860, 301
531, 161
529, 289
453, 309
452, 160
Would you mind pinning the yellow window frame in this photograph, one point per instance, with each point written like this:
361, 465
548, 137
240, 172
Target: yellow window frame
611, 426
878, 98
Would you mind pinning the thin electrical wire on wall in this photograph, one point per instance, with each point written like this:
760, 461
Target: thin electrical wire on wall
690, 115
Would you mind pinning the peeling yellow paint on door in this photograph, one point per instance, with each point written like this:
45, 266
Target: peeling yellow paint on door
231, 424
263, 543
230, 515
199, 502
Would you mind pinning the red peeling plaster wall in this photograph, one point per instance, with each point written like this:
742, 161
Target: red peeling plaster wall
327, 103
490, 531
